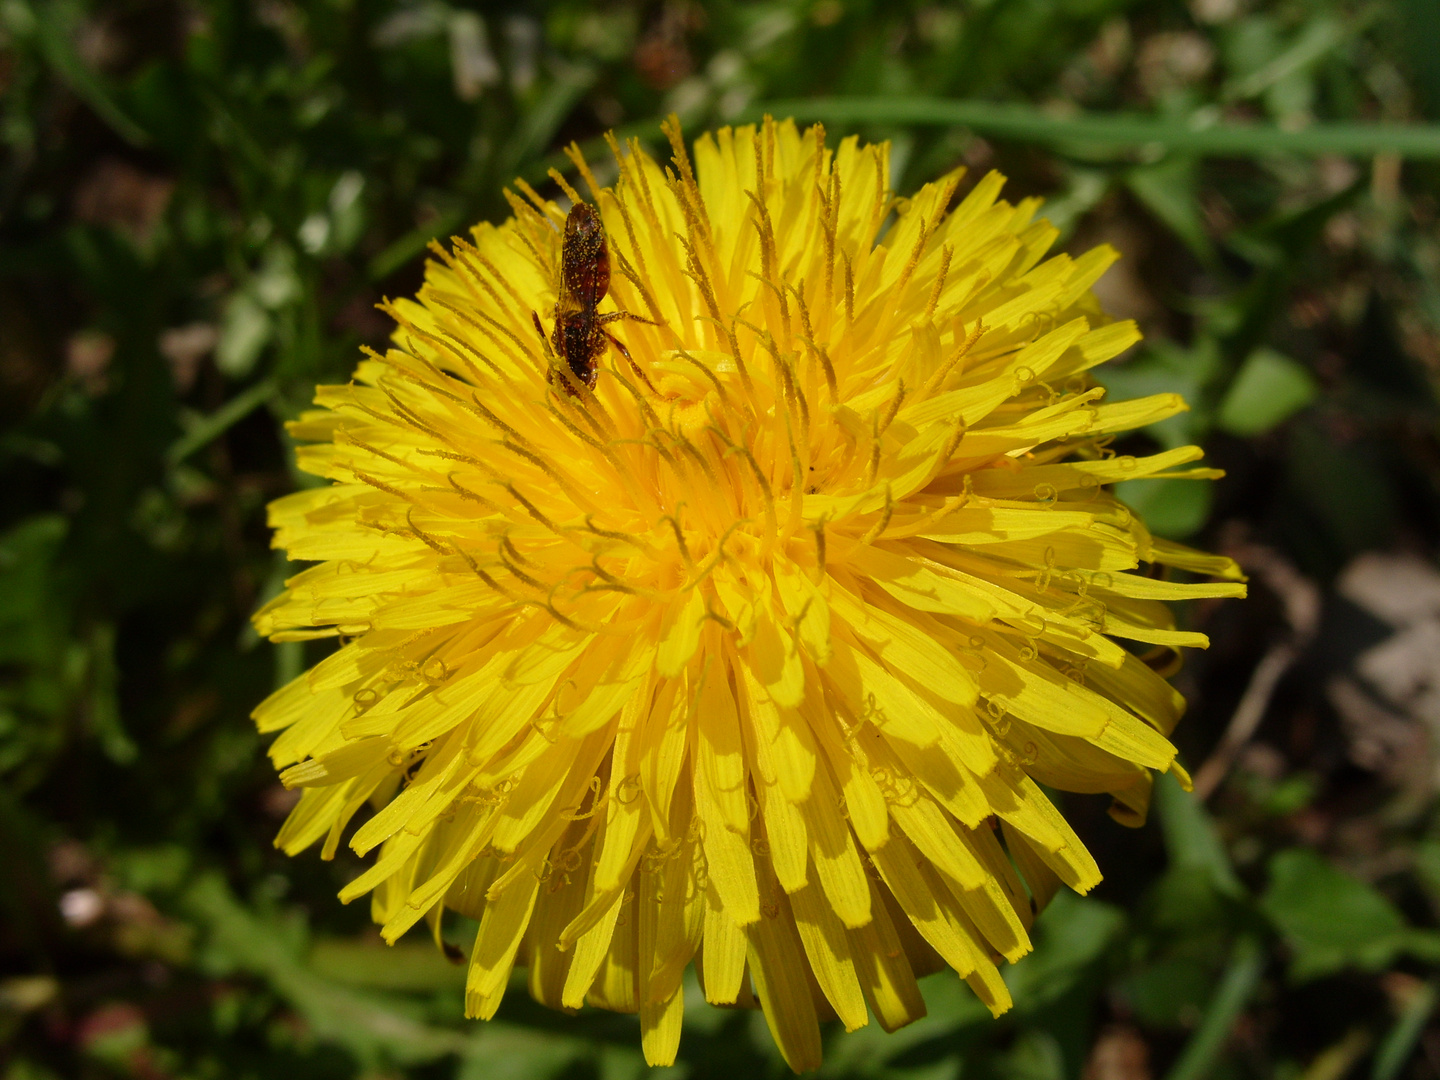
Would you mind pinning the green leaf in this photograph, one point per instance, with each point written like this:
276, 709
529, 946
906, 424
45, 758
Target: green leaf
501, 1051
403, 966
1072, 934
1185, 901
27, 555
1331, 920
1190, 836
1268, 390
1173, 509
1169, 190
1035, 1055
371, 1026
1168, 992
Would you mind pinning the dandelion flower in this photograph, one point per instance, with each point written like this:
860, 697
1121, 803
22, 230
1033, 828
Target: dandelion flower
756, 654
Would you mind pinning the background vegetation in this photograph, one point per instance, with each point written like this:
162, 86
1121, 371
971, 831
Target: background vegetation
201, 200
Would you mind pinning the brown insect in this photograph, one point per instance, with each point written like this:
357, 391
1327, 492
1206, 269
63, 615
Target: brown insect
579, 337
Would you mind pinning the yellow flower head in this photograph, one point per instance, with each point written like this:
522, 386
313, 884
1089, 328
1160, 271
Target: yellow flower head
755, 654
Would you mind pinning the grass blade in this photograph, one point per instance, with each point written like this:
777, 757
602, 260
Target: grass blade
1401, 1039
1119, 131
211, 427
1242, 976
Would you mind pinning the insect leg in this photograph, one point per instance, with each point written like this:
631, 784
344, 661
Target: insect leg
630, 359
617, 316
545, 340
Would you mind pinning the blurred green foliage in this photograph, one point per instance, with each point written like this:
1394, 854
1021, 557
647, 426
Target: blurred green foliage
202, 200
